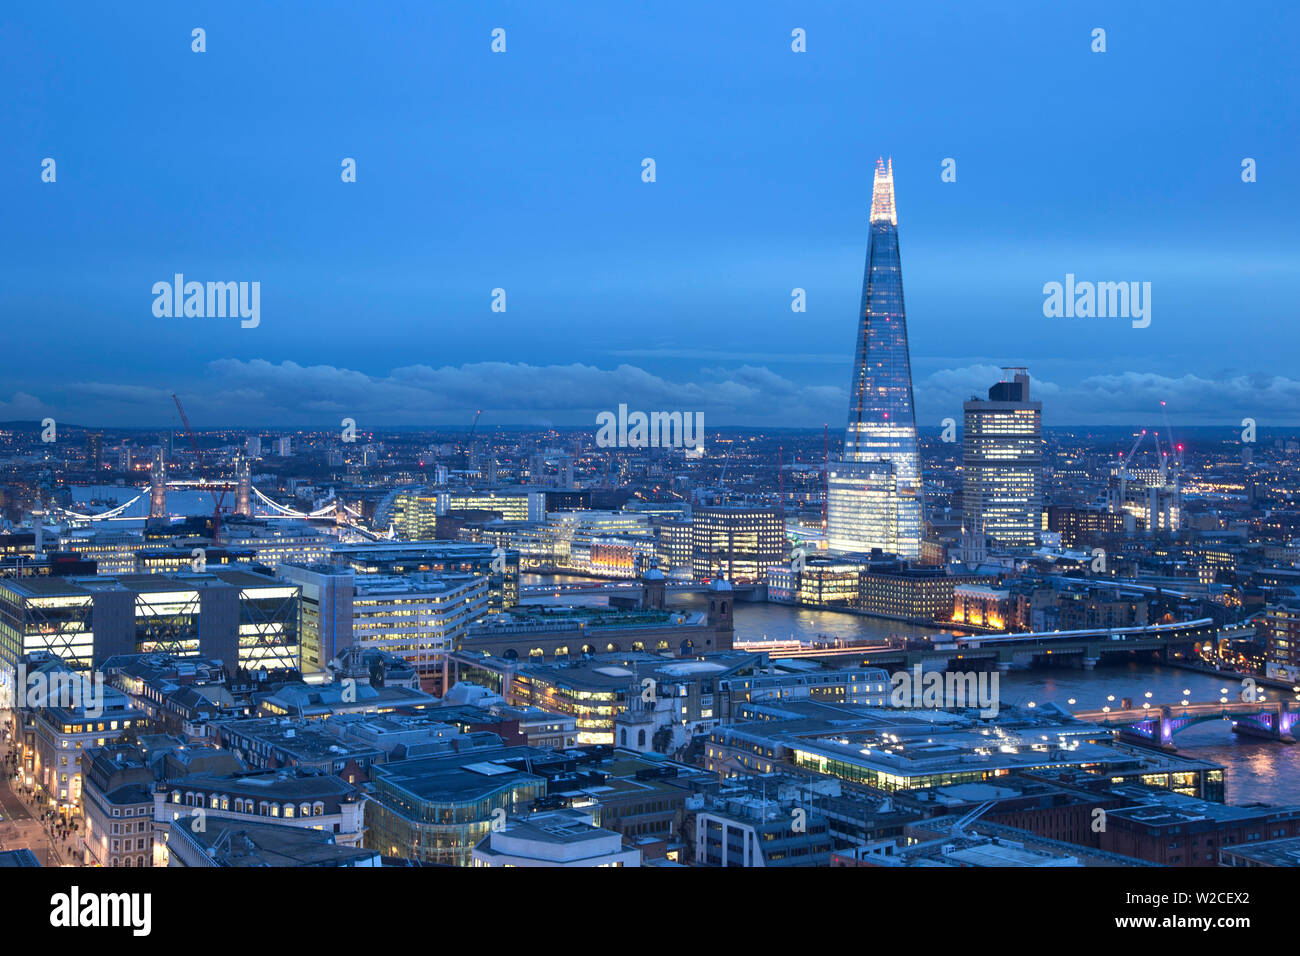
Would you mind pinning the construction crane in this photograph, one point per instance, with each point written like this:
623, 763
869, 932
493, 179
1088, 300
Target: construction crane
1162, 457
198, 466
1123, 465
1175, 449
469, 442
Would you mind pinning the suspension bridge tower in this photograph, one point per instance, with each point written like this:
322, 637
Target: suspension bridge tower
158, 485
244, 490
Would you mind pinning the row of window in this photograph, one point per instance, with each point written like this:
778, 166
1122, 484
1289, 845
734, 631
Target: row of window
241, 805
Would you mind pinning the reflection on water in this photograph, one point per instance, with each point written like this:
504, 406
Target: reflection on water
180, 501
1257, 771
781, 622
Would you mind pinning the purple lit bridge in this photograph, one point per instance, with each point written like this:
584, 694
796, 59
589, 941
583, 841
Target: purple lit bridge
1270, 719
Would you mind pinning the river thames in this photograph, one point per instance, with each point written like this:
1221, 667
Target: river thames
1256, 771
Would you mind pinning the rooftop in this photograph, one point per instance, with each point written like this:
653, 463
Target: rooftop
255, 844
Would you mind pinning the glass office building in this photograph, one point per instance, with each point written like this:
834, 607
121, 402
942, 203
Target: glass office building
1002, 463
241, 617
874, 491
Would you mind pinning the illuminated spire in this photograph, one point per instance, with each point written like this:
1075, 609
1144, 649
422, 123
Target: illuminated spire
882, 193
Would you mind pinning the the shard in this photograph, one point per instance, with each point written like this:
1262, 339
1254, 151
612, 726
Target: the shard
874, 491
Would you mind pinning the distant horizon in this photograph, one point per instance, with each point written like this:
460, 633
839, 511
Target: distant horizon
362, 427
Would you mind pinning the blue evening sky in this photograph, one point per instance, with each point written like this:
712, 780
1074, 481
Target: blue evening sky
522, 171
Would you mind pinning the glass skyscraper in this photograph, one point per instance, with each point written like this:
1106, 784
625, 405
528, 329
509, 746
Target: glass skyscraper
874, 493
1002, 463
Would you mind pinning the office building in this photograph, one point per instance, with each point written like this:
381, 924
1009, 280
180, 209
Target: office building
327, 595
304, 799
745, 829
596, 691
874, 491
94, 450
52, 733
499, 565
554, 838
114, 552
537, 633
245, 844
736, 543
244, 618
277, 542
606, 543
866, 584
1002, 463
419, 617
414, 512
117, 807
438, 809
1279, 626
1083, 527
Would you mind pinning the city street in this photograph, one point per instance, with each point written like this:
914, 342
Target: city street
21, 825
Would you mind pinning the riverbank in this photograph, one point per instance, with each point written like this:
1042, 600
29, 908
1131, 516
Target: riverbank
1231, 677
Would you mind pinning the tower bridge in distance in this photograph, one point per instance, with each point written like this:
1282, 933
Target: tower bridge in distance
249, 501
1156, 725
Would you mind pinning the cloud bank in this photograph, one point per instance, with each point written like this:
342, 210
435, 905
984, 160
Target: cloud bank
263, 393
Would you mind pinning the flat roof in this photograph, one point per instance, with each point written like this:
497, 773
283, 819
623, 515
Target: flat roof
451, 777
256, 844
1268, 852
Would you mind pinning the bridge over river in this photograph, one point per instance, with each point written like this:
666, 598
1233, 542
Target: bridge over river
1157, 724
1083, 648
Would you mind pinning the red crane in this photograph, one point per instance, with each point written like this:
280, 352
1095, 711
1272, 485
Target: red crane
198, 464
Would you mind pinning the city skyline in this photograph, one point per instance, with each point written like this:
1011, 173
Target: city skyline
432, 439
650, 281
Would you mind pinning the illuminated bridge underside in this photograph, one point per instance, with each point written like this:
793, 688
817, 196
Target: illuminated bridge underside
1271, 719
